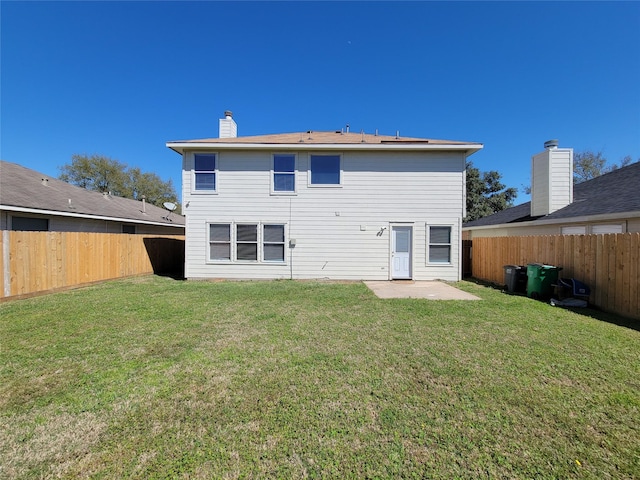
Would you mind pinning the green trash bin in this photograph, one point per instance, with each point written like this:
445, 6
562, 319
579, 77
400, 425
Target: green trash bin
541, 279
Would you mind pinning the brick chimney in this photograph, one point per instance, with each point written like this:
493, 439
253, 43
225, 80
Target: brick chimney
228, 127
551, 179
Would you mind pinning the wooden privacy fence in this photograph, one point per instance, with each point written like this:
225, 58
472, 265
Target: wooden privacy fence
34, 262
608, 264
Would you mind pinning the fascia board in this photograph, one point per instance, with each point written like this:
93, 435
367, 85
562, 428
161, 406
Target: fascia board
57, 213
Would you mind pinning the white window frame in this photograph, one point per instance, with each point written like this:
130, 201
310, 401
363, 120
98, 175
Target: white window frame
283, 243
326, 185
209, 242
237, 243
233, 244
194, 173
429, 243
274, 172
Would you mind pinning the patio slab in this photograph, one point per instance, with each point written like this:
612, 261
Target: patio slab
431, 290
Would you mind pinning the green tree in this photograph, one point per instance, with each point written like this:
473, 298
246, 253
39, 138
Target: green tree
486, 194
104, 174
588, 165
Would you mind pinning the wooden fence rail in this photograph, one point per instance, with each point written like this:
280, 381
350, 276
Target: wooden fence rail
33, 262
609, 264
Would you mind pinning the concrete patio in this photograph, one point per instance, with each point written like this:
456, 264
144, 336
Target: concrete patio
431, 290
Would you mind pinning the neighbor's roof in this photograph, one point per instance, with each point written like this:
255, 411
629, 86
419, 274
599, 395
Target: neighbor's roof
613, 193
25, 190
327, 140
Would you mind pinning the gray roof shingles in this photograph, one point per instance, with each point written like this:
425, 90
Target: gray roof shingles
26, 188
611, 193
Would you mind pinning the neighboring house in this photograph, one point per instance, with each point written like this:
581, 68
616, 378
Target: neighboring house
334, 205
609, 203
30, 200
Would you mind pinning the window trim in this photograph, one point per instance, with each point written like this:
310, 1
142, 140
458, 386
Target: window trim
209, 242
233, 244
263, 243
273, 173
215, 172
429, 244
236, 243
326, 185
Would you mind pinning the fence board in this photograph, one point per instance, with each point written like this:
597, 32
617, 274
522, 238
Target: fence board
46, 261
609, 264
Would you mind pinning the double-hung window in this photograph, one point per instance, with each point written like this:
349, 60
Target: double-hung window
325, 170
439, 244
220, 242
246, 242
273, 243
284, 173
204, 170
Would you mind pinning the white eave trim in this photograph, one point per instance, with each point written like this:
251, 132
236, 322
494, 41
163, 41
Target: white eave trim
180, 147
57, 213
603, 217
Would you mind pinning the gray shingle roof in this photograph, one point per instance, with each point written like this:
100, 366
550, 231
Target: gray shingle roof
25, 188
612, 193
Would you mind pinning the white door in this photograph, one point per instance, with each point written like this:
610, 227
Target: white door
401, 252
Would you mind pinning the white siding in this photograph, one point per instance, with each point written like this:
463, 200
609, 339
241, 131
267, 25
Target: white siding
551, 181
341, 232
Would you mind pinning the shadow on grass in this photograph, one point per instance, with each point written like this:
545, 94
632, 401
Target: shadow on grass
591, 311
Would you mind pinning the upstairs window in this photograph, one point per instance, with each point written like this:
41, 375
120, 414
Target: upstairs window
284, 173
439, 244
205, 171
325, 170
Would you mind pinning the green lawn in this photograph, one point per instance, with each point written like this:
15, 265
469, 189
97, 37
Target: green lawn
157, 378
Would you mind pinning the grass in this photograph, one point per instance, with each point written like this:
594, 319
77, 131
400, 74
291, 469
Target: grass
156, 378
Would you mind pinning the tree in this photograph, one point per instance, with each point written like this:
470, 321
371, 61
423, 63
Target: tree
588, 165
104, 174
486, 194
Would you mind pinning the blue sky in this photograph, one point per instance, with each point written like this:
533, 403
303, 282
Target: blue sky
122, 78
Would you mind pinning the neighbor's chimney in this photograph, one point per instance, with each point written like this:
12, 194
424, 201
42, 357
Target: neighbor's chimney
551, 179
228, 127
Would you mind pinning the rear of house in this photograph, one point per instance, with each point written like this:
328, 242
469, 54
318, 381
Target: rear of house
311, 205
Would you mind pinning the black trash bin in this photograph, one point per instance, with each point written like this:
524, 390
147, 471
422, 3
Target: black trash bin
515, 278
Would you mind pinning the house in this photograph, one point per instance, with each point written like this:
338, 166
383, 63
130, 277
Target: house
30, 200
310, 205
606, 204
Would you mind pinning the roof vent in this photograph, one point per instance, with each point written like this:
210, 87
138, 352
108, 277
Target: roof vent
45, 181
551, 144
